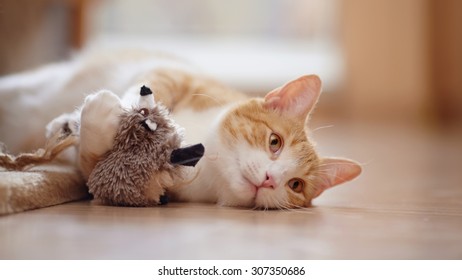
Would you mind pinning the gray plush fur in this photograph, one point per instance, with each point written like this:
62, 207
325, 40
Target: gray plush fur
137, 170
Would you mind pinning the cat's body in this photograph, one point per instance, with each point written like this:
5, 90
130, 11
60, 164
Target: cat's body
257, 150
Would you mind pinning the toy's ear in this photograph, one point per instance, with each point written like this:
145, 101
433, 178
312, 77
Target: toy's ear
188, 156
146, 98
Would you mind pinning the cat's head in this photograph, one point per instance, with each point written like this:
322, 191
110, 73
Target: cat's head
267, 158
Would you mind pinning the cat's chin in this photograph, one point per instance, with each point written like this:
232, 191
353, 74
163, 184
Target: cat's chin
247, 194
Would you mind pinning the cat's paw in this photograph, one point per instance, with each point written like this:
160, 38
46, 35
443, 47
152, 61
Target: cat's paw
100, 116
99, 122
64, 125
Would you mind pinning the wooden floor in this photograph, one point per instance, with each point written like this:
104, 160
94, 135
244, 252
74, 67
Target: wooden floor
406, 205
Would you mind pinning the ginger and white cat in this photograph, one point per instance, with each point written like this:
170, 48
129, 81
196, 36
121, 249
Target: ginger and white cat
258, 153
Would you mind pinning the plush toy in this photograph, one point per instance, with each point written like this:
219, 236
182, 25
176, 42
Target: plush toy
145, 159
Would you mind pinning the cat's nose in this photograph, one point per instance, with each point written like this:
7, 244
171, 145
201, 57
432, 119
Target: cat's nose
268, 183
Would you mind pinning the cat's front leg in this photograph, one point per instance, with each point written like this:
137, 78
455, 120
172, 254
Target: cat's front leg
99, 121
65, 124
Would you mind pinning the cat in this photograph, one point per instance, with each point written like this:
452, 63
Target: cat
258, 153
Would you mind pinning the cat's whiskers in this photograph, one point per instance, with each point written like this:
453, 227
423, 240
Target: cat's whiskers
346, 163
329, 175
287, 206
212, 157
321, 127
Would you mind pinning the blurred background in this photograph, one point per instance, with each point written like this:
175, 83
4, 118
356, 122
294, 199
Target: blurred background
384, 60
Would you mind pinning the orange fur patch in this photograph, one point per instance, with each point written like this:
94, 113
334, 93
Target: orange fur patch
177, 89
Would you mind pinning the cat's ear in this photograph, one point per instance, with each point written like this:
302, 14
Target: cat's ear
296, 98
335, 171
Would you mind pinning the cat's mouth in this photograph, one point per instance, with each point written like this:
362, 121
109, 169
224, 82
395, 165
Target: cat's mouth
259, 198
254, 188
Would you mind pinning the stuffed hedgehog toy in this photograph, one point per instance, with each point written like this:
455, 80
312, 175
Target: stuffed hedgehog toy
145, 159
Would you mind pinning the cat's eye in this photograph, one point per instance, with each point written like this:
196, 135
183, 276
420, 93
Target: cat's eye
296, 185
275, 143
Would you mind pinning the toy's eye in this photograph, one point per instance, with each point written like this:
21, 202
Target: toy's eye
296, 185
275, 143
144, 111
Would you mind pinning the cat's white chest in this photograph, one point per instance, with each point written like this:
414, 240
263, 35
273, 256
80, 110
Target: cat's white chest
201, 127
